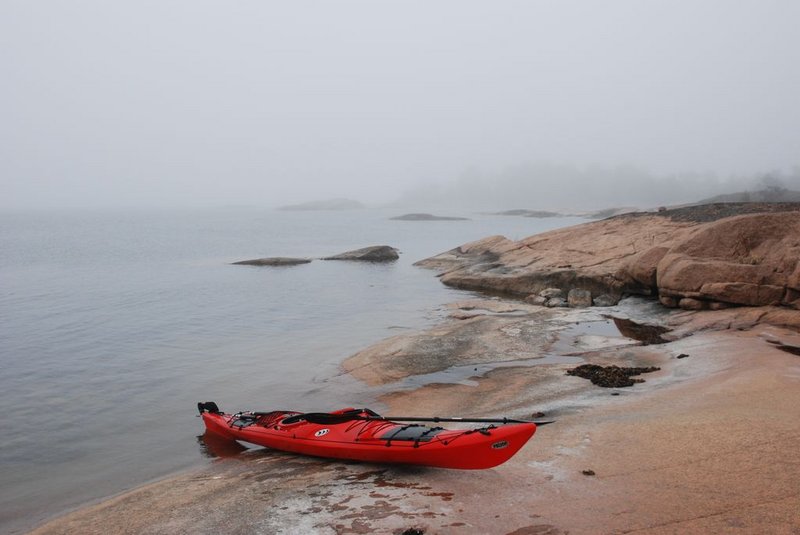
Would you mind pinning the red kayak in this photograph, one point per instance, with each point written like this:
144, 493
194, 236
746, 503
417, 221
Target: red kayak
363, 435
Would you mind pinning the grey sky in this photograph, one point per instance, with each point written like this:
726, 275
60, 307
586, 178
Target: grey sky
258, 102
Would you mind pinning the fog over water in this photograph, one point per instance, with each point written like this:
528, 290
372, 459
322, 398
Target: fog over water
266, 103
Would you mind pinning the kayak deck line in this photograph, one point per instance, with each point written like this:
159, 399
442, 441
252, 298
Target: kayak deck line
364, 435
396, 431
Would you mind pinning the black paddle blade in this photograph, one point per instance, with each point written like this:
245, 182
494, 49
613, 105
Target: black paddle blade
540, 424
207, 406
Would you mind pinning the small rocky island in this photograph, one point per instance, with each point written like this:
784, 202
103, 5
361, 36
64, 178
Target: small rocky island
528, 213
426, 217
273, 261
330, 204
376, 253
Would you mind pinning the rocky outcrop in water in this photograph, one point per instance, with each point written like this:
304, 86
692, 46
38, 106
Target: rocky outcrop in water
528, 213
427, 217
376, 253
698, 257
272, 261
329, 204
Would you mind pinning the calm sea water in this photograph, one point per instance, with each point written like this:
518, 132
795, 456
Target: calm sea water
114, 324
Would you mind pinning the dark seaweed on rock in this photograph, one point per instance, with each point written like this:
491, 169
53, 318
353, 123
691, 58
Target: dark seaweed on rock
610, 376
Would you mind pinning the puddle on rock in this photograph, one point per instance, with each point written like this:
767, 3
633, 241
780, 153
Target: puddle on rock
589, 336
572, 341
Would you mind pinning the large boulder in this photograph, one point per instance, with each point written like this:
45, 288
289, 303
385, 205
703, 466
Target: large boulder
743, 260
578, 298
642, 267
376, 253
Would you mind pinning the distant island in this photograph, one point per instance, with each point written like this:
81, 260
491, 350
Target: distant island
542, 214
771, 194
427, 217
610, 212
330, 204
528, 213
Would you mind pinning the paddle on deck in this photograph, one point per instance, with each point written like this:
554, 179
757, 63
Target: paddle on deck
327, 418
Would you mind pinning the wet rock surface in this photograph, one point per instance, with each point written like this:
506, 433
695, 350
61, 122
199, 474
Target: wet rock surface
265, 491
611, 376
485, 332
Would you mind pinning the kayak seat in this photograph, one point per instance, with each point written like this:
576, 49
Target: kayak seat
324, 418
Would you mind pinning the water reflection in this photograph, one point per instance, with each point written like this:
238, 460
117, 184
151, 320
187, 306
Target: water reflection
214, 446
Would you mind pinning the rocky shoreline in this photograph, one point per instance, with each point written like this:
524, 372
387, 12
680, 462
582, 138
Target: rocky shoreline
699, 257
706, 444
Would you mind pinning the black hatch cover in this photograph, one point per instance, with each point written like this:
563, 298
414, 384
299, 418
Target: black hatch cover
419, 433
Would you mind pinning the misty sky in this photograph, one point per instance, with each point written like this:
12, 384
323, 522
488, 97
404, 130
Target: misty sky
259, 102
